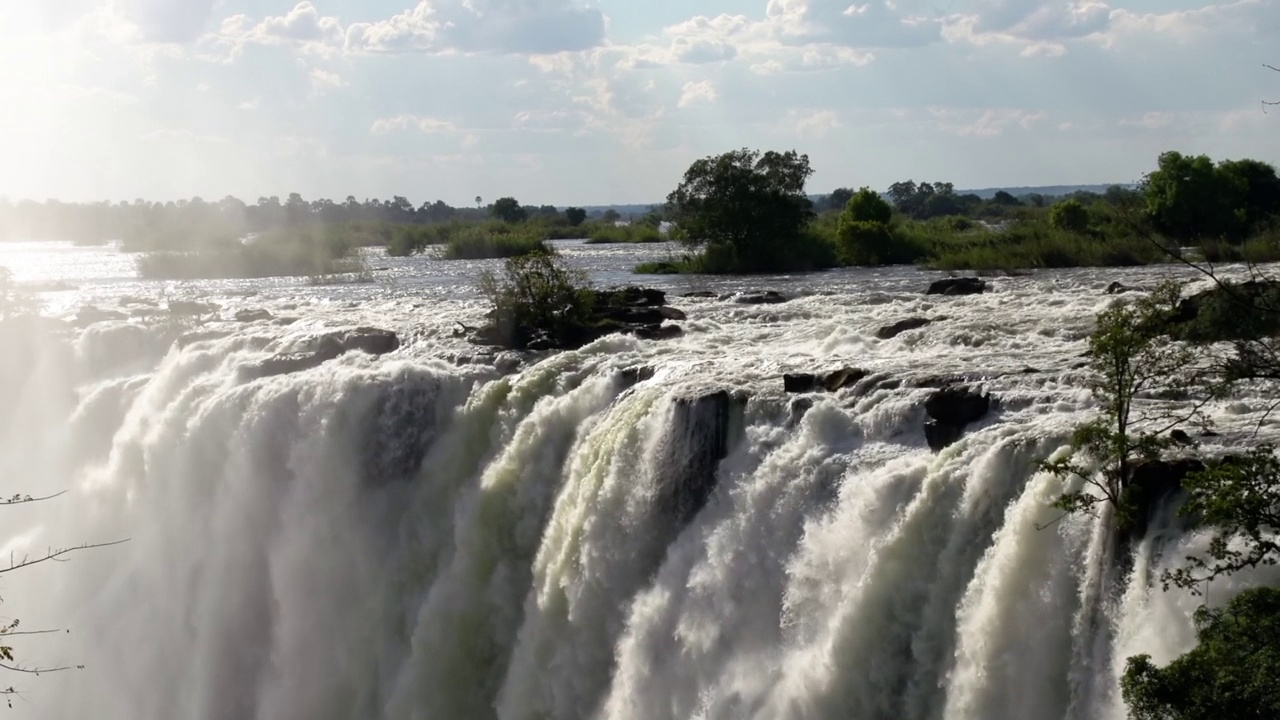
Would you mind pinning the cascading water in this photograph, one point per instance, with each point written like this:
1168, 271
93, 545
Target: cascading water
420, 537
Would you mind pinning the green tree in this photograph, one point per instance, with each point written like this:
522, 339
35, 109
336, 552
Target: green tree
1069, 215
508, 209
838, 199
746, 205
1004, 198
1188, 199
864, 243
537, 293
575, 215
1130, 358
867, 206
1234, 672
1256, 190
611, 216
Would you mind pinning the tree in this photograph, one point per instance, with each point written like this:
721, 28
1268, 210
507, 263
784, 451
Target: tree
1130, 357
748, 205
1232, 673
867, 206
838, 199
1069, 215
611, 216
1004, 198
537, 293
508, 209
575, 215
1188, 199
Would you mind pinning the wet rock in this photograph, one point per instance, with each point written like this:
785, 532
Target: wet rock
1181, 437
369, 340
700, 294
631, 297
891, 331
658, 332
190, 307
950, 411
1117, 288
404, 423
697, 440
137, 300
636, 374
1151, 485
769, 297
90, 315
829, 382
958, 286
1215, 314
253, 315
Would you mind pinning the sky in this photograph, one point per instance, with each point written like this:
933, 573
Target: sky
608, 101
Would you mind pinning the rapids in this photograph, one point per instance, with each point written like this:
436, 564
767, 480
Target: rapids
442, 532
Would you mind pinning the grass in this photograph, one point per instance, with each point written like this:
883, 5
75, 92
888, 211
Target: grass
502, 241
310, 251
607, 234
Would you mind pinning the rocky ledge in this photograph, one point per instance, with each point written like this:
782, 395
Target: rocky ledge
642, 312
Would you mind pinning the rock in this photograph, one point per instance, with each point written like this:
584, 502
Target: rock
700, 294
658, 332
634, 310
253, 315
136, 300
369, 340
90, 315
830, 382
891, 331
188, 307
636, 374
195, 337
958, 286
697, 440
1214, 315
1118, 287
769, 297
1181, 437
671, 313
631, 297
1151, 484
950, 411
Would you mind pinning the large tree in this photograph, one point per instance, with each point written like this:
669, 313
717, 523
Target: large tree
508, 209
745, 203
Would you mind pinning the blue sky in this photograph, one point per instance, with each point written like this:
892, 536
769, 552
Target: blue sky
582, 102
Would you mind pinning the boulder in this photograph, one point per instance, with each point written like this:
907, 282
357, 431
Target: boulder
631, 297
829, 382
768, 297
697, 439
891, 331
253, 315
950, 411
658, 332
1117, 287
638, 311
700, 294
189, 307
1215, 315
958, 286
368, 340
138, 300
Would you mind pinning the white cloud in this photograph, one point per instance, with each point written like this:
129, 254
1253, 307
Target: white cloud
496, 26
810, 123
424, 124
323, 80
166, 20
989, 122
694, 93
1150, 121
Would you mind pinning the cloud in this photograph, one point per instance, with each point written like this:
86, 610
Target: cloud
810, 123
989, 122
697, 92
322, 80
173, 21
1150, 121
489, 26
424, 124
303, 28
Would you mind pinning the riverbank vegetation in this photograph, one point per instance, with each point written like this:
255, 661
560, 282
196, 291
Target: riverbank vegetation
315, 252
1142, 454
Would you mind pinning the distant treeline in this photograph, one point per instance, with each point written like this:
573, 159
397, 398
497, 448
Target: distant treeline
187, 224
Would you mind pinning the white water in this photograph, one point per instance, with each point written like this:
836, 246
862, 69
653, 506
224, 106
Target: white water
421, 536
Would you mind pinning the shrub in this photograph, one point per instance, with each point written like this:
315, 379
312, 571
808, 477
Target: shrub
536, 294
867, 206
865, 243
1069, 215
624, 234
478, 242
304, 251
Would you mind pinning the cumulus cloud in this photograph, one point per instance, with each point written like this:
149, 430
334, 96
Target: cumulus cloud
810, 123
424, 124
695, 93
322, 80
495, 26
167, 20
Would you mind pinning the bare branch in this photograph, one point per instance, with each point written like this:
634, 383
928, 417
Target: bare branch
23, 499
32, 671
29, 632
57, 555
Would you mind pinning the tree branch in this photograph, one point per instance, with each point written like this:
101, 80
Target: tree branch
56, 555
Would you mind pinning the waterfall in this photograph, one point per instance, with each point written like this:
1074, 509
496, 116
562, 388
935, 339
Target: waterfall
413, 539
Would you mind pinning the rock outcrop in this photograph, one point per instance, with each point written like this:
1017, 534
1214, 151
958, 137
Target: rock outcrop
642, 312
950, 411
828, 382
369, 340
958, 286
889, 332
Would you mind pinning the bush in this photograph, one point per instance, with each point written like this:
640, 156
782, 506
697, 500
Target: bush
537, 295
604, 234
865, 243
1070, 216
867, 206
304, 251
476, 242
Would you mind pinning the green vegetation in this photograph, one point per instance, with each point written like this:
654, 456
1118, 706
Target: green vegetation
1155, 361
306, 251
536, 296
605, 234
505, 241
1232, 673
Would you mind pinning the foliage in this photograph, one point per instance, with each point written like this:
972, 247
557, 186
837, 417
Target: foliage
302, 251
635, 233
508, 210
1232, 673
1069, 215
576, 216
867, 206
1190, 198
747, 208
864, 242
536, 293
502, 241
1131, 360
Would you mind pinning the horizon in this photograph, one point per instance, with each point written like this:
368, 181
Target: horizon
598, 101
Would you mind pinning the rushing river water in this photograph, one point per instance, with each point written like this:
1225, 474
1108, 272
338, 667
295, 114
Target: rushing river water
423, 535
